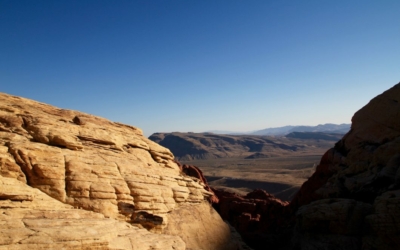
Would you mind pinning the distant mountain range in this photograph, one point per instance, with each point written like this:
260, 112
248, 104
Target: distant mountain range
325, 128
282, 131
196, 146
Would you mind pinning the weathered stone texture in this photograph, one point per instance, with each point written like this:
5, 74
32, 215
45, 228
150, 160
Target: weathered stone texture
30, 219
94, 164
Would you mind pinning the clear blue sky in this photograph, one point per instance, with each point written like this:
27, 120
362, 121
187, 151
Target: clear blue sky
202, 65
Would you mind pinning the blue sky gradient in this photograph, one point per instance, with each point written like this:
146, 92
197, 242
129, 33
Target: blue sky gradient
202, 65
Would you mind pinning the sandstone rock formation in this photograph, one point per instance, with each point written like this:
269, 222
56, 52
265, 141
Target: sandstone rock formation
85, 162
31, 219
194, 171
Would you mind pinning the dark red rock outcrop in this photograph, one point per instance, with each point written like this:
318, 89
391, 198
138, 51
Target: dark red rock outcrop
256, 216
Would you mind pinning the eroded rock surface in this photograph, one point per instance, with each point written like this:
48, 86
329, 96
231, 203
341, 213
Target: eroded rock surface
194, 171
30, 219
94, 164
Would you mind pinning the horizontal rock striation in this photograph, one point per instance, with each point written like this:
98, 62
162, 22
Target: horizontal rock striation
31, 219
94, 164
194, 171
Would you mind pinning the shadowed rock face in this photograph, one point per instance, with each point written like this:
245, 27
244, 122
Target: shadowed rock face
365, 163
352, 201
259, 217
359, 179
83, 162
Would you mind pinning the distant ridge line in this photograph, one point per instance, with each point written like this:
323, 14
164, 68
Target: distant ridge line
284, 130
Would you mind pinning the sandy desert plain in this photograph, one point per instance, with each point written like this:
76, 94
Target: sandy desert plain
281, 176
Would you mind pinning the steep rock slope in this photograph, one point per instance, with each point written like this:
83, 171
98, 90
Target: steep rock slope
356, 187
109, 168
364, 164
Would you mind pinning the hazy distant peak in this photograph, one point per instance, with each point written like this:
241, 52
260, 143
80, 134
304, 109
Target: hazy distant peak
328, 127
281, 131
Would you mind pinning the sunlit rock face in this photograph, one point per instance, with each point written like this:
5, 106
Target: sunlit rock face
31, 219
83, 162
353, 198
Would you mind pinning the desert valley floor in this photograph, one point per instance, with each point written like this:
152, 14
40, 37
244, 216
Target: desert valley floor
281, 176
242, 163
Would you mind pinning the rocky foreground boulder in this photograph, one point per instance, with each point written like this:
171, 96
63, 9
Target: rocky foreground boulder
76, 181
352, 201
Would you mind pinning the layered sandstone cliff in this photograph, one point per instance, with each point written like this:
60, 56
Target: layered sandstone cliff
63, 162
31, 219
